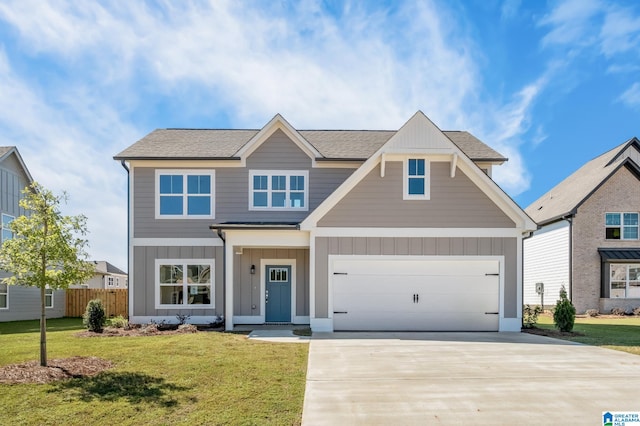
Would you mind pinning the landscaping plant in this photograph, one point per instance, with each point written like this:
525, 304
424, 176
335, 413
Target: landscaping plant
530, 315
564, 315
94, 317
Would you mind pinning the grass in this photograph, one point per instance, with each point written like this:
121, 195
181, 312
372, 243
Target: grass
619, 333
182, 379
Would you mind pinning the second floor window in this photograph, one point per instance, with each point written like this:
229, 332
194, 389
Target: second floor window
185, 194
278, 190
416, 179
621, 226
6, 232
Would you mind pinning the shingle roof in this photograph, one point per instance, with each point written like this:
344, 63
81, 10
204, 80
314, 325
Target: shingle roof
567, 196
332, 144
109, 268
5, 149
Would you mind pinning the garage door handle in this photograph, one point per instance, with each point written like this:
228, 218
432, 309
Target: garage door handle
340, 312
491, 313
491, 275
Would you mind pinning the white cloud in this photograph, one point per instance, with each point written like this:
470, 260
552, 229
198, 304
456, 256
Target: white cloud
631, 96
571, 22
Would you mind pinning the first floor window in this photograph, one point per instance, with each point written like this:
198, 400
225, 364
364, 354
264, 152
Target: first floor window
109, 281
621, 226
4, 296
184, 194
48, 298
183, 283
625, 280
6, 232
286, 190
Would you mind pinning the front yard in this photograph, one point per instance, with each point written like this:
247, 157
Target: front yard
613, 332
189, 379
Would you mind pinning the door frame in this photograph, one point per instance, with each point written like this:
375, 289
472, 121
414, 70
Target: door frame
263, 284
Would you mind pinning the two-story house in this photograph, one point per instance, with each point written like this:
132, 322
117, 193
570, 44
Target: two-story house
105, 276
20, 302
588, 241
342, 230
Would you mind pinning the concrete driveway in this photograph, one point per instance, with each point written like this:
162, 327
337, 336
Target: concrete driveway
464, 378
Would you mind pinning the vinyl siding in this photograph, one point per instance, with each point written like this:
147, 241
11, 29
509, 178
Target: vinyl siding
546, 260
326, 246
246, 287
232, 192
144, 279
377, 202
24, 304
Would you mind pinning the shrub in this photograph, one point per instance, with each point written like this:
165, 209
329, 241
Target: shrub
530, 315
182, 318
592, 312
618, 311
187, 328
119, 322
94, 317
564, 314
636, 311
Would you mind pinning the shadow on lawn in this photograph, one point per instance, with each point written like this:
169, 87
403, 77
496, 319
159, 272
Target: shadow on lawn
135, 388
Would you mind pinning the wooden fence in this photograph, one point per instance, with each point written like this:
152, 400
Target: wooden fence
115, 301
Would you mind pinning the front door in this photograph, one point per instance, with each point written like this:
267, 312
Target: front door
278, 293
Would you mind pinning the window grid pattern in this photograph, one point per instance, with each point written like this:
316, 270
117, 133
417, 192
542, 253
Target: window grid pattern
185, 284
278, 190
621, 226
185, 194
624, 280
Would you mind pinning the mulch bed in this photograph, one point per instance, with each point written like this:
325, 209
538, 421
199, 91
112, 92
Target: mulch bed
551, 333
57, 369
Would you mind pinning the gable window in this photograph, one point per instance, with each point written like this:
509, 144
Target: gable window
416, 179
621, 226
625, 280
185, 194
4, 296
278, 190
182, 283
6, 232
109, 281
48, 298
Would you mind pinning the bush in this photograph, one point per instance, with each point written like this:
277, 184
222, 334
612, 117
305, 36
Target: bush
530, 315
564, 315
618, 311
94, 317
636, 311
592, 312
119, 322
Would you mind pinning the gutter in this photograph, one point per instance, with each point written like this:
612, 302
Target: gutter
219, 227
129, 282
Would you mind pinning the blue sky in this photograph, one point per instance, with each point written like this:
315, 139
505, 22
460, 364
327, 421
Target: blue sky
548, 84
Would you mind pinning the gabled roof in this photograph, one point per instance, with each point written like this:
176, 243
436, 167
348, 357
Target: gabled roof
104, 267
565, 198
6, 151
216, 144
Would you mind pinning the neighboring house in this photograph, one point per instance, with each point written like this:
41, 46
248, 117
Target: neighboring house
105, 276
588, 241
342, 230
20, 302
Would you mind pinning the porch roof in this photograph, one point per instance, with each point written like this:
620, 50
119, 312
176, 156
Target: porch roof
614, 254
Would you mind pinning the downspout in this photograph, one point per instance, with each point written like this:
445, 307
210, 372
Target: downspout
124, 165
570, 220
224, 268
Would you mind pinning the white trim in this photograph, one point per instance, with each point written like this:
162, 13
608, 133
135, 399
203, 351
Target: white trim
502, 323
228, 284
454, 165
185, 195
14, 150
130, 273
509, 325
269, 191
248, 319
622, 226
184, 262
263, 284
321, 325
312, 276
266, 238
426, 178
337, 164
177, 242
194, 164
301, 320
418, 232
171, 319
519, 278
277, 122
52, 298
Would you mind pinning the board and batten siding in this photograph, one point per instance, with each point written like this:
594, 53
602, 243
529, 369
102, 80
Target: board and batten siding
546, 260
144, 279
326, 246
231, 202
13, 180
454, 203
24, 304
246, 286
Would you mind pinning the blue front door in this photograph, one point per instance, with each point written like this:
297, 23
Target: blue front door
278, 293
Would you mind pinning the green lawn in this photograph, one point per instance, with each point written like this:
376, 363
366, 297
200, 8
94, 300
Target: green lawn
182, 379
619, 333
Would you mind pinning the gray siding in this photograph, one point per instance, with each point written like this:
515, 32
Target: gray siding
455, 203
326, 246
13, 180
24, 304
232, 192
246, 287
144, 276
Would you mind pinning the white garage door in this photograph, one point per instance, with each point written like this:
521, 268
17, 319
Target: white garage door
413, 295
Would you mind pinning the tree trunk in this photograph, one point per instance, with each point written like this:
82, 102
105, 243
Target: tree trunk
43, 329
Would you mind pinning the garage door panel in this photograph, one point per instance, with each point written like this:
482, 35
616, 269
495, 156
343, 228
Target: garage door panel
388, 294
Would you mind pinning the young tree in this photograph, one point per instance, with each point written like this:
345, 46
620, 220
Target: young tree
47, 251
